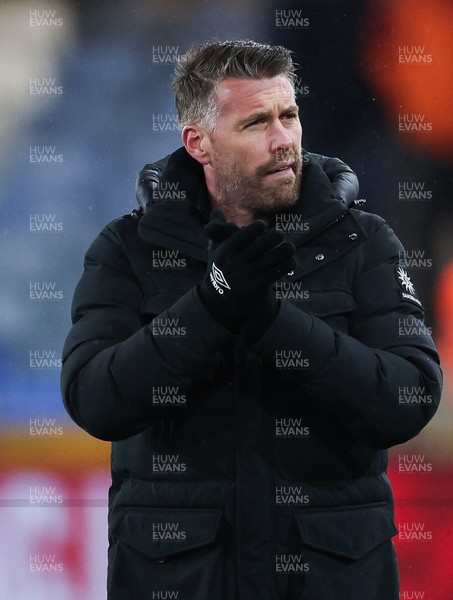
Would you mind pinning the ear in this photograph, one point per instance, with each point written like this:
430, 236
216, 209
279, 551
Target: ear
197, 143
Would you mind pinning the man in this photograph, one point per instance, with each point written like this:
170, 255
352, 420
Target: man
248, 367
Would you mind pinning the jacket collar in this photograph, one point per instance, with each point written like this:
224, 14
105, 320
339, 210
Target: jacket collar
317, 209
176, 217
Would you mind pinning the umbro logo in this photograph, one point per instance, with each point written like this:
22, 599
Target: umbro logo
218, 279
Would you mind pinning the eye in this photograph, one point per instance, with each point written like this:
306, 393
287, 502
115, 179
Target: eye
291, 116
256, 122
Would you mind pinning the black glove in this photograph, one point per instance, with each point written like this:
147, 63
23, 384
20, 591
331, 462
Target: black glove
241, 268
259, 320
218, 228
147, 182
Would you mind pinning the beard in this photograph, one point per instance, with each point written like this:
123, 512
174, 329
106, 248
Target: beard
257, 191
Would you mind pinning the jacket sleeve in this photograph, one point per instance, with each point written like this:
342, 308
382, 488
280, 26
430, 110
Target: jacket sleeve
343, 179
112, 361
382, 380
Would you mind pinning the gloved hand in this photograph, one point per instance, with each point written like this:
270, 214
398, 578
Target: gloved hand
218, 228
146, 183
241, 268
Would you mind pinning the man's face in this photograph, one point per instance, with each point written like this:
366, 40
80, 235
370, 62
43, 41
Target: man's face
256, 158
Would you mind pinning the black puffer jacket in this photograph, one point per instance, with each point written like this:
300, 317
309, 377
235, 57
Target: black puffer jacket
249, 473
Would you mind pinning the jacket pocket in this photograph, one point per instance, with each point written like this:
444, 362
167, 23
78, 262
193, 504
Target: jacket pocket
349, 532
166, 550
347, 554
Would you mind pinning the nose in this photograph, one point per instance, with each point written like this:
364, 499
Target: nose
281, 140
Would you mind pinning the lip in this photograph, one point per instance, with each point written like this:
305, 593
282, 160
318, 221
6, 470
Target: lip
282, 170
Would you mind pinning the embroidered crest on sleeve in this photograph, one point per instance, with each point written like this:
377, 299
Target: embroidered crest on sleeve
405, 280
407, 290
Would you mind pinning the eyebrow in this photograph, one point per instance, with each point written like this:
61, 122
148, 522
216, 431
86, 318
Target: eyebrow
264, 114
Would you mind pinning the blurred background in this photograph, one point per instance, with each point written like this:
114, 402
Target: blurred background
85, 102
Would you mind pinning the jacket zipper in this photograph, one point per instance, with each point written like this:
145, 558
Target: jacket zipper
337, 220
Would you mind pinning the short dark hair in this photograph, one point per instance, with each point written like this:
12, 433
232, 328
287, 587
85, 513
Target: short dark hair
203, 67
